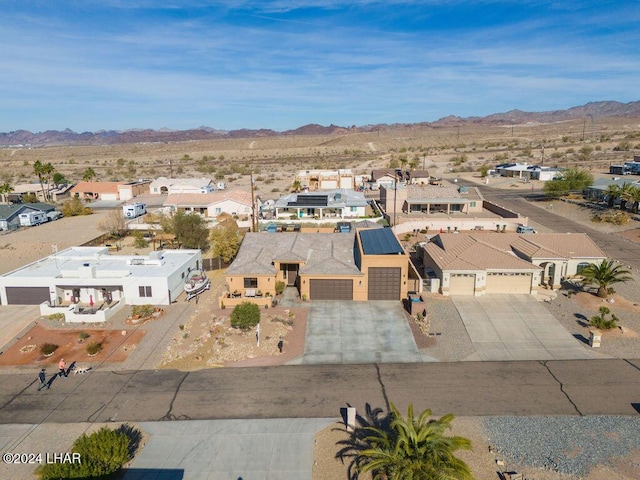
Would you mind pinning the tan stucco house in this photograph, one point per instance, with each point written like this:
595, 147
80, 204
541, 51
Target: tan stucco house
479, 263
364, 264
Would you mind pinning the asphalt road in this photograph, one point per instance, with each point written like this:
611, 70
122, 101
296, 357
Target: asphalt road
571, 387
625, 251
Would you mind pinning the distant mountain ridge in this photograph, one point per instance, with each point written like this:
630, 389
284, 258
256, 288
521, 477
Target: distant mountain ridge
592, 110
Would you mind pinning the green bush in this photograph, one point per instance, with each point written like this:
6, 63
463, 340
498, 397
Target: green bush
56, 316
143, 311
138, 240
94, 348
279, 287
83, 335
602, 322
48, 348
245, 316
101, 454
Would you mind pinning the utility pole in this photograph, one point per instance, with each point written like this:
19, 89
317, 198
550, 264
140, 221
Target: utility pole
170, 170
254, 221
395, 195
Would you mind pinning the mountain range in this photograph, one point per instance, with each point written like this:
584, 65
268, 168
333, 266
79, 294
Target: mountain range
591, 110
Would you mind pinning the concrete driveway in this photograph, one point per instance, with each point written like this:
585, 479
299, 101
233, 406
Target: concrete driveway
516, 327
358, 332
14, 319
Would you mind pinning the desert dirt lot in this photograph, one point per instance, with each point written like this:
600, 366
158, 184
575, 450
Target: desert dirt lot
205, 340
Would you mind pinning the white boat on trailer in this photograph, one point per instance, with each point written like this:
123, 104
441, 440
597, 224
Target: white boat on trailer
196, 283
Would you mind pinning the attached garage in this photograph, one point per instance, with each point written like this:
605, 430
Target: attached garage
462, 284
508, 283
384, 283
330, 289
27, 295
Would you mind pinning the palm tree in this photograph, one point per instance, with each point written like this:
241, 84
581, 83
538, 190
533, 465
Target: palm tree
5, 189
612, 193
48, 170
296, 186
39, 170
634, 196
88, 175
410, 448
625, 192
605, 274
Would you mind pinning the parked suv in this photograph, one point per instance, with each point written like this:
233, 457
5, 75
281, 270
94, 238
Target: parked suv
525, 229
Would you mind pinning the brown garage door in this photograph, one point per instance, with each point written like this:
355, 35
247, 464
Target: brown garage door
508, 283
330, 289
384, 283
27, 295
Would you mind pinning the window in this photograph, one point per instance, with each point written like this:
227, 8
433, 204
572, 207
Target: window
353, 209
472, 204
581, 267
145, 292
250, 282
218, 210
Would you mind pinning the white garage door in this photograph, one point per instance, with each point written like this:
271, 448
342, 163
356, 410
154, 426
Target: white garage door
462, 284
508, 283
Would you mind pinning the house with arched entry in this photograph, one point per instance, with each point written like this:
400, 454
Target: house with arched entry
479, 263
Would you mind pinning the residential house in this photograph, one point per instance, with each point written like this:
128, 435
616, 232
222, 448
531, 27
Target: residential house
527, 172
598, 190
234, 202
55, 192
326, 179
479, 263
367, 264
130, 190
163, 185
91, 275
10, 214
430, 199
97, 190
338, 203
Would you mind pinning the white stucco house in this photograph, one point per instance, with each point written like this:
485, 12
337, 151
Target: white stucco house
165, 185
233, 202
338, 203
92, 276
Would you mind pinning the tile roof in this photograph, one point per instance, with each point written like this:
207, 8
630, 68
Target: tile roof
207, 199
490, 251
322, 253
96, 187
192, 182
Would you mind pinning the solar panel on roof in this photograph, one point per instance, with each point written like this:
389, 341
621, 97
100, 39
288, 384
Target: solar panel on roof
309, 201
380, 241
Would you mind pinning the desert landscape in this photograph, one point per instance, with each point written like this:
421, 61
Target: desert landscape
205, 339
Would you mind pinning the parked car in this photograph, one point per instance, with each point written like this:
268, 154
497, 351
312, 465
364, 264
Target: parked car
525, 229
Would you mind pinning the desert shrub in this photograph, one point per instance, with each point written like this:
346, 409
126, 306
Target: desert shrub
94, 348
616, 218
56, 316
279, 287
142, 310
101, 454
602, 322
245, 316
48, 348
138, 240
75, 207
83, 335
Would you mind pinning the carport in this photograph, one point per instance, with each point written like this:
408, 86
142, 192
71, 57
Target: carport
516, 327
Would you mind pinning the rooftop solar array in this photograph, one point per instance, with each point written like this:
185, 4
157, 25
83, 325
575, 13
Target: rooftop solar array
380, 241
309, 201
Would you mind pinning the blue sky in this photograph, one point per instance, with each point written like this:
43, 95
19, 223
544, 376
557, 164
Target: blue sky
119, 64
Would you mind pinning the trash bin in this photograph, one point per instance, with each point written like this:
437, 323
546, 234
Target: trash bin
595, 337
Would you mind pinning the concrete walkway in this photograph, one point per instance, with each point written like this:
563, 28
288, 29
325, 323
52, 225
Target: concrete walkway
516, 327
13, 320
279, 449
358, 332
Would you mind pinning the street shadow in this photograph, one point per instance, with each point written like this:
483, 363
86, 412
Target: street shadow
359, 438
636, 407
150, 473
581, 319
134, 435
581, 338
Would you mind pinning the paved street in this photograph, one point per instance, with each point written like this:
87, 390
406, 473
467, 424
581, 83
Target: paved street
319, 391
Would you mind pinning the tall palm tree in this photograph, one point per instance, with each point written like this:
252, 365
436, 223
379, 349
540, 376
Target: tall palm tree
412, 448
625, 192
89, 174
634, 196
612, 193
5, 189
39, 170
48, 170
605, 274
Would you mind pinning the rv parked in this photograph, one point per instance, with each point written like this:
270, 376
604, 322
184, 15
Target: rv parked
134, 210
31, 219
